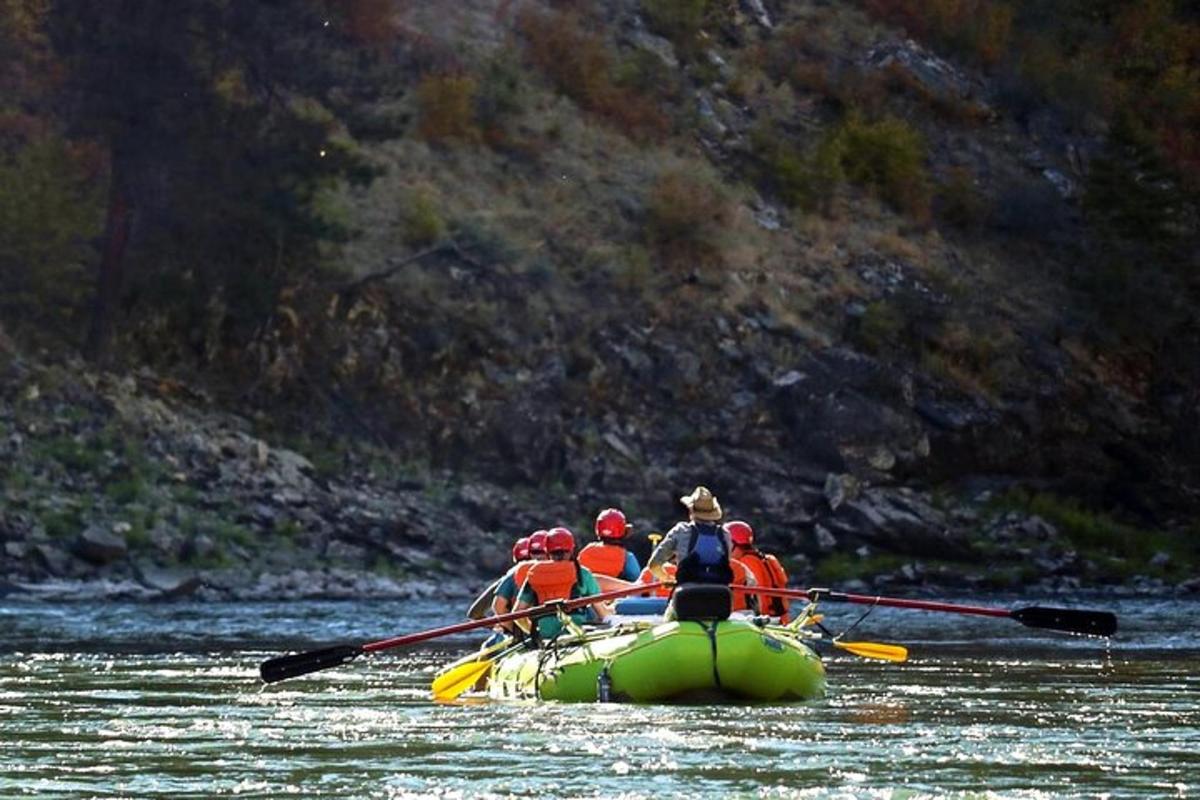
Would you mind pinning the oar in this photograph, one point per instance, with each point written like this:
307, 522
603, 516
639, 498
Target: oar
461, 677
1070, 620
284, 667
479, 608
466, 672
875, 650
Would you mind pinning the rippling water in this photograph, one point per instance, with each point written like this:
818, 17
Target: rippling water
163, 701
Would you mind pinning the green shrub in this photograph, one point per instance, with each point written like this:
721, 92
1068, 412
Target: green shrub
421, 223
887, 156
49, 213
806, 180
1099, 536
882, 325
839, 567
126, 490
678, 20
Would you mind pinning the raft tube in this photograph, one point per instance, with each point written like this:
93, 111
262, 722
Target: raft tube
732, 660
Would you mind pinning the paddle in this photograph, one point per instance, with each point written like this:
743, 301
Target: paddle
284, 667
479, 608
1070, 620
875, 650
466, 672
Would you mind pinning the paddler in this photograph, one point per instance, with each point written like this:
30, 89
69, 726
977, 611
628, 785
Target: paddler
506, 593
647, 576
608, 555
700, 545
743, 578
559, 578
766, 568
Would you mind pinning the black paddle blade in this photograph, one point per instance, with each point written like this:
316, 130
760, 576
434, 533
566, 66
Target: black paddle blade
284, 667
1092, 623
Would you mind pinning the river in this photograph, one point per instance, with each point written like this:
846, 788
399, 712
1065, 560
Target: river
163, 701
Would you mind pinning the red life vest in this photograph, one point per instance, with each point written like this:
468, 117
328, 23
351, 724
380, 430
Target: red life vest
767, 572
552, 580
603, 559
648, 577
741, 575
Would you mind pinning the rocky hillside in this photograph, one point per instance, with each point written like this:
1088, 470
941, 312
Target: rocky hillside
618, 249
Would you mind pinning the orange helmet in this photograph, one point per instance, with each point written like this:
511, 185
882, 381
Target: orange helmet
521, 549
740, 532
537, 543
610, 524
560, 540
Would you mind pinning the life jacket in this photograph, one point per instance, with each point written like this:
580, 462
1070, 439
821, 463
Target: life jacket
648, 577
520, 572
603, 558
767, 572
741, 577
705, 558
552, 580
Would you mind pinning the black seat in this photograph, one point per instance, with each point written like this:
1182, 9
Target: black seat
702, 601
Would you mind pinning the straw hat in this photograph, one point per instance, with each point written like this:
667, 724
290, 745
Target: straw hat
702, 504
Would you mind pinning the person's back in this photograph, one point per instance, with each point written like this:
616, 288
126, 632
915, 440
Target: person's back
608, 556
700, 547
526, 552
559, 578
743, 578
766, 568
706, 555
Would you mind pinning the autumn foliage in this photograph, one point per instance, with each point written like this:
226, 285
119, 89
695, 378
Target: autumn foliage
578, 62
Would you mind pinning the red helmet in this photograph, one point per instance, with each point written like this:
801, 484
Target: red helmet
537, 543
740, 532
560, 540
521, 549
610, 524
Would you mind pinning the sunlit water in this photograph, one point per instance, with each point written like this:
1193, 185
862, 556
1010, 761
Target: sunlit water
163, 701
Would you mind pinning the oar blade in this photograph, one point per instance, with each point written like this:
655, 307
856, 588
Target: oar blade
284, 667
453, 682
875, 650
1070, 620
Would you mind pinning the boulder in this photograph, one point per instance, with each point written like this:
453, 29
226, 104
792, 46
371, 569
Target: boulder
54, 560
168, 584
99, 546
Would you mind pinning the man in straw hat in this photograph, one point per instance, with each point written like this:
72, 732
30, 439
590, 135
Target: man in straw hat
700, 545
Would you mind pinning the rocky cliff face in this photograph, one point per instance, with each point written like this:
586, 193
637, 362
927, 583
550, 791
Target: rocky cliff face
139, 487
608, 317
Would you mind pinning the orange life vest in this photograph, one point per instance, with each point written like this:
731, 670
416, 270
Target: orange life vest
741, 575
767, 572
648, 577
552, 580
603, 559
520, 572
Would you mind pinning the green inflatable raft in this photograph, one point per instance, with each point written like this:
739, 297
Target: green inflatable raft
691, 661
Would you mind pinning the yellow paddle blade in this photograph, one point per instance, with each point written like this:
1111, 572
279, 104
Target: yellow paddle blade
882, 652
456, 680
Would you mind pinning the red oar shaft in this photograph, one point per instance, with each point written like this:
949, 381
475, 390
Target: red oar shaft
291, 666
566, 605
1070, 620
891, 602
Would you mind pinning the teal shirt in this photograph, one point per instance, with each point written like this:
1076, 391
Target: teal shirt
549, 627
